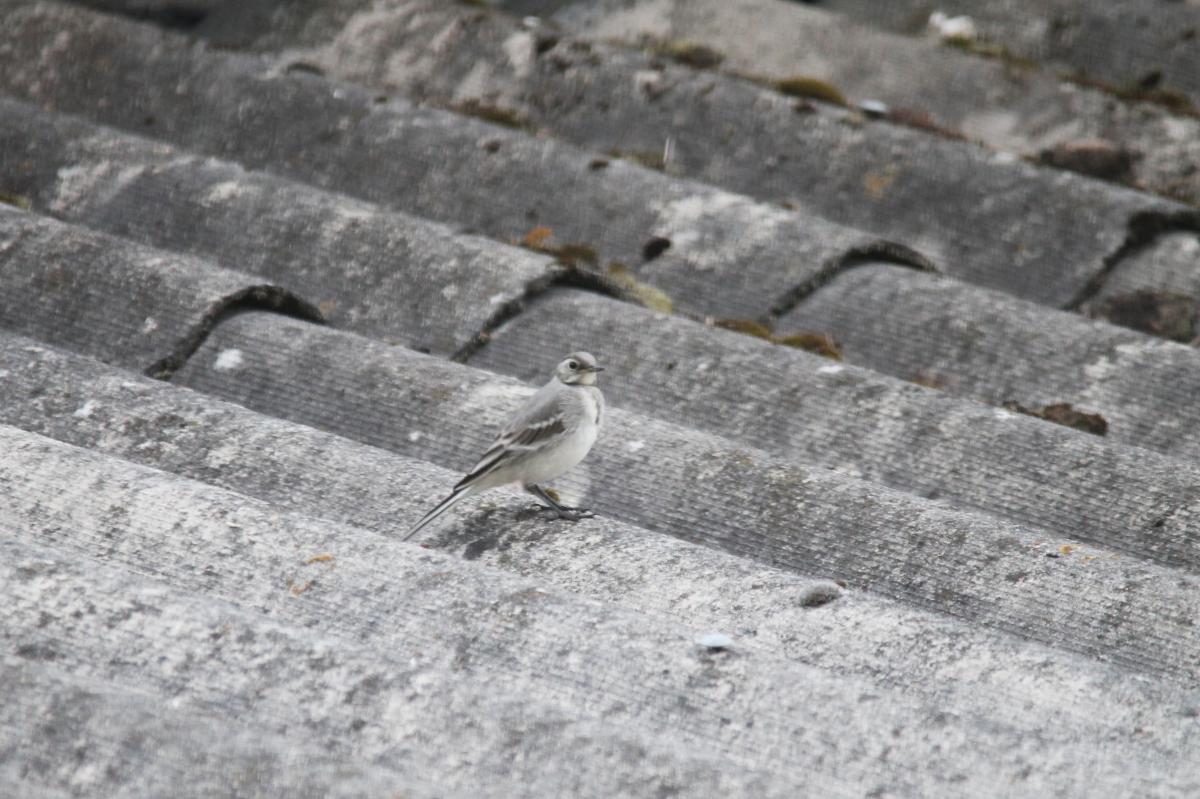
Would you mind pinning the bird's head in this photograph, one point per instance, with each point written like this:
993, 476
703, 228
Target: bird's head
578, 368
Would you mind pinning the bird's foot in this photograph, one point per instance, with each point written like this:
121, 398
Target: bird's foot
567, 514
574, 514
551, 498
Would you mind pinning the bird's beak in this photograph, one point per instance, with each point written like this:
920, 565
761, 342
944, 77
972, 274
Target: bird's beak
595, 368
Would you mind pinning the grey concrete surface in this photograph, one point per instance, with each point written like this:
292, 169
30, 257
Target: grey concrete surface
714, 491
926, 442
66, 735
913, 593
997, 348
119, 301
430, 713
1146, 271
383, 274
966, 207
639, 678
1122, 42
771, 397
841, 632
1010, 105
439, 165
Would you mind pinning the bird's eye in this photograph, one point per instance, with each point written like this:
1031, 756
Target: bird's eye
572, 365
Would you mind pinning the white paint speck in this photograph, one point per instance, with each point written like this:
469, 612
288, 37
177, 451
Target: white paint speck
86, 410
649, 82
958, 29
228, 360
76, 182
874, 107
149, 326
223, 191
1000, 413
1179, 129
450, 291
415, 436
3, 373
521, 49
832, 369
715, 641
635, 446
350, 212
87, 775
496, 299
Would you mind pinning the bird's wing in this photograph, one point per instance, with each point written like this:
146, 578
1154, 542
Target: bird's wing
539, 422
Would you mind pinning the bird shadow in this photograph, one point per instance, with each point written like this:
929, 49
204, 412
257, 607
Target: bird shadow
493, 529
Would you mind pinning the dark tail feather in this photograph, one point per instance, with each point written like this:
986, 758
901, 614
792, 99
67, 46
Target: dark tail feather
460, 492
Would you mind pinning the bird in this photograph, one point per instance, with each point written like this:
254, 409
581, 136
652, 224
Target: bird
547, 437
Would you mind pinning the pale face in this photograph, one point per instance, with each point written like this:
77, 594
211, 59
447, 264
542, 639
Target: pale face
578, 368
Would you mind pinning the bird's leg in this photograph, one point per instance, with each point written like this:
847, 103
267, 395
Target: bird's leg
571, 514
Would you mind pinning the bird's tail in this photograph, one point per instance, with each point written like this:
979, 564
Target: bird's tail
460, 492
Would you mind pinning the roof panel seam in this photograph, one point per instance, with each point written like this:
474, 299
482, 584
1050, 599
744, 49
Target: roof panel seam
262, 297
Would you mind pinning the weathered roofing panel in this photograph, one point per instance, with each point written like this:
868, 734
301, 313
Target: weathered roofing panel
969, 209
768, 612
1149, 270
470, 680
1123, 42
118, 301
112, 732
771, 397
437, 164
711, 490
1006, 102
1016, 601
644, 679
381, 273
997, 348
857, 422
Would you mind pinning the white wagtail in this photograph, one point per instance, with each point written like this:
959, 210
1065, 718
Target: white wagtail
549, 435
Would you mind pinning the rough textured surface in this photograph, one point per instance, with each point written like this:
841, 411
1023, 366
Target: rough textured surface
767, 612
1009, 104
142, 308
357, 700
806, 576
438, 164
714, 491
116, 300
966, 207
858, 423
1145, 270
114, 732
997, 348
1123, 42
772, 397
383, 274
362, 685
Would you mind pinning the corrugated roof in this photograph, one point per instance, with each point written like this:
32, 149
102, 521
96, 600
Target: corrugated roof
987, 86
271, 276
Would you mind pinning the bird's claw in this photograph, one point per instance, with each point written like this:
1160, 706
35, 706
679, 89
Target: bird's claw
567, 514
575, 514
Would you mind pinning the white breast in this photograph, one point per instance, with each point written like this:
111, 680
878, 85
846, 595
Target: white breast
572, 449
